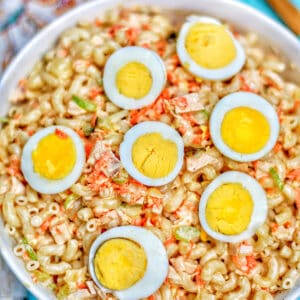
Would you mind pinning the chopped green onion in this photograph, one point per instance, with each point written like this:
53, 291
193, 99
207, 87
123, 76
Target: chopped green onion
3, 120
84, 104
99, 81
276, 179
187, 233
29, 249
87, 129
205, 112
69, 201
121, 177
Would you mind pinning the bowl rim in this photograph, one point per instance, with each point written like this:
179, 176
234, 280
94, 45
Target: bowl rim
12, 70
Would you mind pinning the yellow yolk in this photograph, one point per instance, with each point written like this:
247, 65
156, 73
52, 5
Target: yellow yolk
210, 45
54, 157
120, 263
229, 209
134, 80
154, 156
245, 130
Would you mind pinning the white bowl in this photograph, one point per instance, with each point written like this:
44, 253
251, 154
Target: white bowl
240, 15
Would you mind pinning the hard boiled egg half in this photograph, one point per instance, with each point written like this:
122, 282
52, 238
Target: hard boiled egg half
129, 262
244, 126
53, 159
208, 50
134, 77
232, 207
152, 153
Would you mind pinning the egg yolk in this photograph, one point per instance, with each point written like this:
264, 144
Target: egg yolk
229, 209
245, 130
120, 263
54, 157
134, 80
154, 156
210, 45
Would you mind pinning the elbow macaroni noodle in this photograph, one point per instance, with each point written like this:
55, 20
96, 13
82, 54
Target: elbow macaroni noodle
59, 237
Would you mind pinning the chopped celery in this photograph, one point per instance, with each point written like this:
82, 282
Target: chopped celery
99, 81
84, 104
104, 123
121, 177
87, 129
276, 178
205, 112
29, 249
187, 233
41, 276
69, 200
63, 292
3, 120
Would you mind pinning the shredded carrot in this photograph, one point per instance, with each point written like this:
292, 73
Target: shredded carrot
277, 147
30, 132
297, 199
94, 120
146, 26
151, 297
287, 224
161, 46
17, 116
81, 285
240, 265
94, 92
60, 134
115, 28
263, 179
182, 129
132, 35
190, 118
44, 227
14, 166
197, 140
170, 240
146, 45
98, 23
199, 281
193, 86
251, 262
88, 146
245, 87
255, 164
274, 227
172, 78
273, 84
190, 249
295, 174
297, 105
22, 82
280, 113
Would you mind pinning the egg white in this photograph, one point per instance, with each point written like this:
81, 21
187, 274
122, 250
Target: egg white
124, 56
260, 206
211, 74
133, 134
44, 185
245, 99
157, 261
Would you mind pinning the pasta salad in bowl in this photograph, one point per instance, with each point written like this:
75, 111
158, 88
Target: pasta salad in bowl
153, 153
